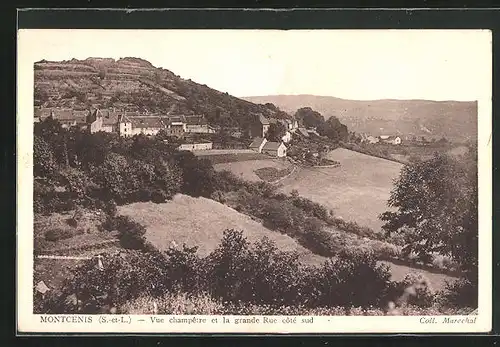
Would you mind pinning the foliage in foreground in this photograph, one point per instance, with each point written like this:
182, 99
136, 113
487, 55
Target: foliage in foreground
204, 304
240, 275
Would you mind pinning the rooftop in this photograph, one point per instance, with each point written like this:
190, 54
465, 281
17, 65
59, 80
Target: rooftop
257, 142
272, 146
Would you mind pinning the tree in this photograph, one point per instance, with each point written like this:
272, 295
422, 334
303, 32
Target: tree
309, 118
43, 160
276, 132
334, 130
436, 208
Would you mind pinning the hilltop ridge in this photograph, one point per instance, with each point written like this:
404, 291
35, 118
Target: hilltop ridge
451, 119
135, 85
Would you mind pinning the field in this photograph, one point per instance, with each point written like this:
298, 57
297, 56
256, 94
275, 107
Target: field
219, 156
193, 221
201, 222
246, 169
357, 191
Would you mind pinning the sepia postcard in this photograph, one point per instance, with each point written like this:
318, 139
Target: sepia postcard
254, 181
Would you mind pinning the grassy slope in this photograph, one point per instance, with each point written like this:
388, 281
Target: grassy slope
201, 222
357, 191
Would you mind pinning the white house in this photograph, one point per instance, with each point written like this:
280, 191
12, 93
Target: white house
393, 140
275, 149
287, 137
195, 146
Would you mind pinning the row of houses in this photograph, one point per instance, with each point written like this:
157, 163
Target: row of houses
125, 123
128, 124
393, 140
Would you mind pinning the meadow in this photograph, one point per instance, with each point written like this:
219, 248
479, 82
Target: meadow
200, 222
357, 191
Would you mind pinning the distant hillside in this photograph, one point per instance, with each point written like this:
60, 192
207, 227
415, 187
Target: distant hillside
133, 84
452, 119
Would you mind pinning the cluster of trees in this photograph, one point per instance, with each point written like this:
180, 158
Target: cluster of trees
435, 205
332, 128
72, 167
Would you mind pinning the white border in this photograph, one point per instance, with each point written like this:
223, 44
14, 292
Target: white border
28, 322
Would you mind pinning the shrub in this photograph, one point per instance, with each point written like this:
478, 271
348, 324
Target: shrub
227, 266
158, 196
131, 233
353, 279
416, 291
460, 293
123, 277
185, 271
218, 196
110, 208
316, 239
77, 216
58, 234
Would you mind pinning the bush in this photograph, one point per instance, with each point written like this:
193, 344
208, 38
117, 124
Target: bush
123, 277
77, 216
131, 233
461, 293
237, 274
316, 239
218, 196
110, 208
58, 234
353, 279
416, 291
158, 196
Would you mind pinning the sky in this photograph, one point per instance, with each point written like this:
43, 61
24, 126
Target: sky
350, 64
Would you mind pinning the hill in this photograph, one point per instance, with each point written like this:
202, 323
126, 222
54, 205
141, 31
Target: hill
452, 119
135, 85
201, 222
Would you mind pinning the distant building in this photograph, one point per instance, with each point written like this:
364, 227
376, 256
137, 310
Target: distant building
287, 137
135, 125
195, 146
259, 127
125, 124
198, 124
276, 149
257, 144
176, 126
66, 117
303, 132
372, 139
393, 140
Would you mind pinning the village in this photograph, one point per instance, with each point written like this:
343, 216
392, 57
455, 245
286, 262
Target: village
194, 133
